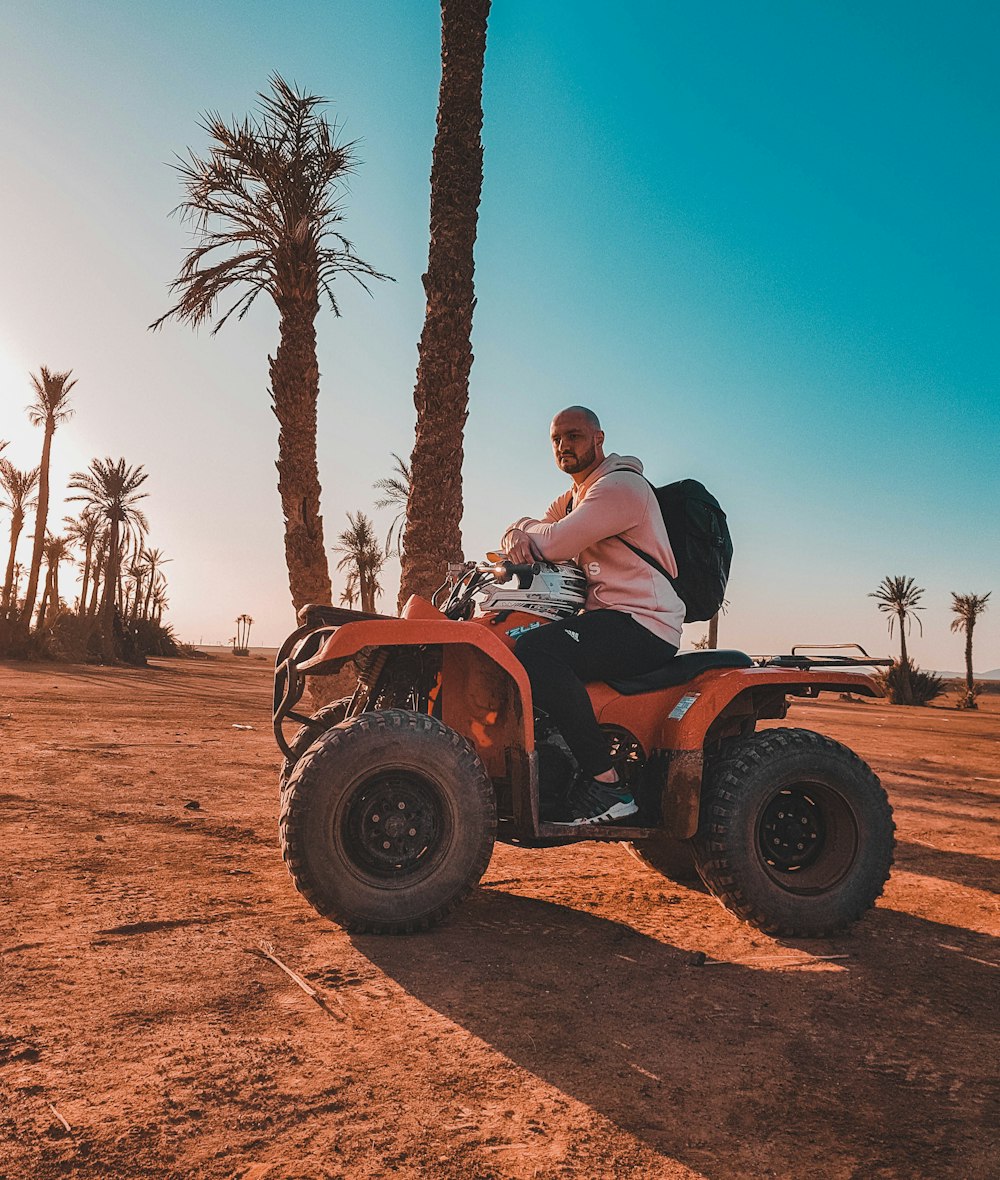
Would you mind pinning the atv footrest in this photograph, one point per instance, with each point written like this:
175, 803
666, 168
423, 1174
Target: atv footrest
570, 834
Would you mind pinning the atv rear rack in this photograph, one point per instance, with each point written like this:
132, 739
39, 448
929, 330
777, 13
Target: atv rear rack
795, 660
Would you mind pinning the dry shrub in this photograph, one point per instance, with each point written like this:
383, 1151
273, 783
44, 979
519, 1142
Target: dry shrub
968, 698
924, 686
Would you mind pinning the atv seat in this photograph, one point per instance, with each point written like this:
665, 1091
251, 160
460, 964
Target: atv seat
683, 667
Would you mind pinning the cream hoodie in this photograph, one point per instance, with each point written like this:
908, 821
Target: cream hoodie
612, 503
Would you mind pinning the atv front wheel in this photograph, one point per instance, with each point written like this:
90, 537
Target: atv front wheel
796, 833
327, 717
388, 822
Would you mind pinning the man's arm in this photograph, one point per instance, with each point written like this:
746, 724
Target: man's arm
614, 504
517, 543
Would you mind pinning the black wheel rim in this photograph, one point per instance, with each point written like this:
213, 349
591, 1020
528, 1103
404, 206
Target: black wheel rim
395, 826
807, 838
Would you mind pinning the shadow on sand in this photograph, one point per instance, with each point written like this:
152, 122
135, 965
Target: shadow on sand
964, 868
877, 1065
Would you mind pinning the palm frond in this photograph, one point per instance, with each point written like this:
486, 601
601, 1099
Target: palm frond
17, 486
967, 609
899, 597
51, 404
270, 190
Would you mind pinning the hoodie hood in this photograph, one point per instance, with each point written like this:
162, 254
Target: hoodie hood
611, 463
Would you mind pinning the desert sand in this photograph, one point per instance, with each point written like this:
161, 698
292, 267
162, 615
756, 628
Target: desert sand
558, 1025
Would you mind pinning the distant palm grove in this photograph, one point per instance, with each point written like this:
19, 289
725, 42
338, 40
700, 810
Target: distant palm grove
899, 597
111, 607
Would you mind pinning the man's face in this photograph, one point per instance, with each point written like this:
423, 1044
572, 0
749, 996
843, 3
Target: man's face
576, 445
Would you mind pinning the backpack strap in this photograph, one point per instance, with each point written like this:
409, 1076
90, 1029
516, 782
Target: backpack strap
646, 557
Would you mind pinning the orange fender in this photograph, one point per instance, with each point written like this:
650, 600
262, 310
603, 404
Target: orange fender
678, 719
485, 695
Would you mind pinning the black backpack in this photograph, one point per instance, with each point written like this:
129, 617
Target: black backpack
699, 536
703, 548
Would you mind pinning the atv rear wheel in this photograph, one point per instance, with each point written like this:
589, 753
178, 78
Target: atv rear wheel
388, 822
796, 833
327, 717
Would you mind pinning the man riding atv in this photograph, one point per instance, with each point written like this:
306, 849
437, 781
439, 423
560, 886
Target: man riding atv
632, 620
472, 720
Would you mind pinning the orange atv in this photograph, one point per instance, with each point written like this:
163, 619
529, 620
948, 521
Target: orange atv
393, 798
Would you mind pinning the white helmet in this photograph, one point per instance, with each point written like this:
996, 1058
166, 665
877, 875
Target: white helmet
555, 592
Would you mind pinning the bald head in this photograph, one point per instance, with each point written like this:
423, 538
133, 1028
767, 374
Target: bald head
577, 441
589, 416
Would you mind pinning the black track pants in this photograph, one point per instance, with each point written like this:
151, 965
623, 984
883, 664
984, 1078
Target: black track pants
560, 658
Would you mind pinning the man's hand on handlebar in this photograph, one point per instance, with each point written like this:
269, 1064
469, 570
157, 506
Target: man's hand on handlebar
520, 548
503, 569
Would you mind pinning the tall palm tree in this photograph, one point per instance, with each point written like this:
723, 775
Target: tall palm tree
160, 602
898, 597
441, 395
97, 572
154, 558
968, 608
349, 594
84, 532
395, 491
265, 204
135, 578
17, 488
16, 590
111, 491
49, 410
57, 550
363, 558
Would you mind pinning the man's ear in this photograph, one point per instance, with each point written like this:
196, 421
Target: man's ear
600, 438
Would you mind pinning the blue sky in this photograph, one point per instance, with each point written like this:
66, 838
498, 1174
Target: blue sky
759, 240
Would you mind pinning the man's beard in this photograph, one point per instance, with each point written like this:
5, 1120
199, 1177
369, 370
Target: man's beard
579, 462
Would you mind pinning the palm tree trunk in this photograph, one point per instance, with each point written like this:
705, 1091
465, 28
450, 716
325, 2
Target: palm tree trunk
149, 592
109, 649
44, 602
906, 689
136, 599
120, 591
441, 396
16, 524
53, 612
713, 631
99, 564
82, 602
367, 583
41, 518
294, 393
970, 694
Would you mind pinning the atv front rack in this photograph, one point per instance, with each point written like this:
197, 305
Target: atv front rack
317, 623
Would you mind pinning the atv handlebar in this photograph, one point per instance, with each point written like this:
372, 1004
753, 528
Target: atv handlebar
465, 579
504, 569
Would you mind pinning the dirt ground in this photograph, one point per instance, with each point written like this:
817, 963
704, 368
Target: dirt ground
557, 1026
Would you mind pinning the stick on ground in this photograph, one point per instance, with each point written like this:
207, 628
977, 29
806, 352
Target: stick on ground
266, 950
69, 1129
